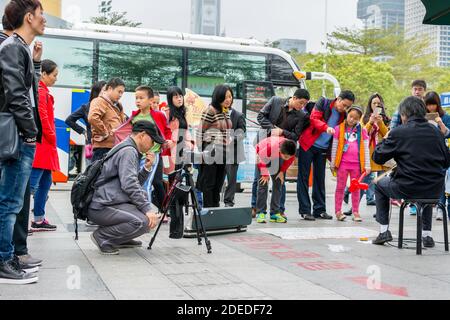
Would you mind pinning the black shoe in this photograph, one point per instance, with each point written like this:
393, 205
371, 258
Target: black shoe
131, 244
348, 212
91, 224
105, 250
23, 266
324, 216
309, 217
383, 238
346, 197
43, 226
428, 242
371, 203
10, 273
29, 260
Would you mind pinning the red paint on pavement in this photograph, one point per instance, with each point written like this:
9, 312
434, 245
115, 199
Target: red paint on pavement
268, 246
386, 288
322, 265
295, 255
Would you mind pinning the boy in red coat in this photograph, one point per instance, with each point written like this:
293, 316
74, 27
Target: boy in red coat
274, 156
145, 102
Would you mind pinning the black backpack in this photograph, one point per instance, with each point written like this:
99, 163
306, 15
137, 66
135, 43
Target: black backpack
84, 186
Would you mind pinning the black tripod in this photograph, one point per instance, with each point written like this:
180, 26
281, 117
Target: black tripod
177, 191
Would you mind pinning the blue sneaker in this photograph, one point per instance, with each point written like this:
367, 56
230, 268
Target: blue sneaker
261, 218
412, 211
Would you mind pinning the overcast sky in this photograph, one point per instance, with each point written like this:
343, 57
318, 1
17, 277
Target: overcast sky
261, 19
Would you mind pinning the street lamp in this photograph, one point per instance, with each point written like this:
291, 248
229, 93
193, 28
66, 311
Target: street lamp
326, 48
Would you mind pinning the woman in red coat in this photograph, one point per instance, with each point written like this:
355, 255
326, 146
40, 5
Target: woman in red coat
46, 158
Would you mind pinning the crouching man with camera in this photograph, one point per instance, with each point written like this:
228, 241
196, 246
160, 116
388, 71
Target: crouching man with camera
120, 206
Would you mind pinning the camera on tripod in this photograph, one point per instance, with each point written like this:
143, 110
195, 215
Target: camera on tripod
181, 196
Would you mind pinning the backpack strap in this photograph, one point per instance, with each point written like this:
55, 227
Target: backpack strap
109, 155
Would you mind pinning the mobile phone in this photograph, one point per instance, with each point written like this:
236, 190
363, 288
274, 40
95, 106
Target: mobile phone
378, 111
432, 116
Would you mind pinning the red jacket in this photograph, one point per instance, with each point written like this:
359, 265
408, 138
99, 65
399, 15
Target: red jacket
318, 123
269, 150
46, 156
161, 123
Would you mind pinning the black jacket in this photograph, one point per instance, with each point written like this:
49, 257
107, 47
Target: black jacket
239, 129
17, 78
80, 113
270, 116
421, 155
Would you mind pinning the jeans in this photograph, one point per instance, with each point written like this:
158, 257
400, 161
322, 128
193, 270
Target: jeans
148, 185
40, 183
20, 234
318, 158
13, 182
159, 192
255, 191
370, 193
387, 189
446, 199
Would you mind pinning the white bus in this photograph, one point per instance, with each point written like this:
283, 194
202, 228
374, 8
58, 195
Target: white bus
88, 53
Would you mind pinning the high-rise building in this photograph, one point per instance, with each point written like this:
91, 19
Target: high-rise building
205, 17
52, 12
381, 14
438, 36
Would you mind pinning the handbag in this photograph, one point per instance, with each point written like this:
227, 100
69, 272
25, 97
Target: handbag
89, 151
9, 143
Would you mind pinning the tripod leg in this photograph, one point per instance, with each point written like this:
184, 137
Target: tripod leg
198, 215
156, 232
195, 216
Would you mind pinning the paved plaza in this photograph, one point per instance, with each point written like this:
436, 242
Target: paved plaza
297, 260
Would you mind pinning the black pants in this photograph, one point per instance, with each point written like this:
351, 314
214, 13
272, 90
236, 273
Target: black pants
230, 191
385, 190
176, 210
317, 157
20, 234
210, 182
159, 192
99, 153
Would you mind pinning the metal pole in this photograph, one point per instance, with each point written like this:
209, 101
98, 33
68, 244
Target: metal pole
326, 48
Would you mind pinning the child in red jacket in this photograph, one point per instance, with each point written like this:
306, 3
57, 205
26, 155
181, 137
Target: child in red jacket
274, 156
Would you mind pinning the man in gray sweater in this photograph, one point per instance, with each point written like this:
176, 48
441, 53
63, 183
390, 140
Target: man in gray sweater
120, 206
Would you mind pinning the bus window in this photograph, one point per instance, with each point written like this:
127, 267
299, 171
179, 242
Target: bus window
210, 68
159, 67
74, 59
281, 70
285, 91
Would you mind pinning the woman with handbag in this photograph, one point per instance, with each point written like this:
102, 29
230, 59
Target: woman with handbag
46, 157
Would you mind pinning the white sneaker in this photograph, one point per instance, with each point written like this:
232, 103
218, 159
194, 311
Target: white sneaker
440, 215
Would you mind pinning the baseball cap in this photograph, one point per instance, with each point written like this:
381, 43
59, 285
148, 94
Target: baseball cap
150, 128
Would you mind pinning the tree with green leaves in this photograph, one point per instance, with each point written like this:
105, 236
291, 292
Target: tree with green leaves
358, 73
115, 19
